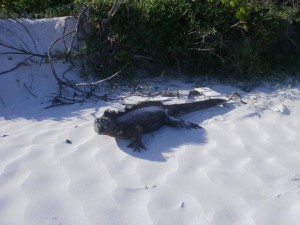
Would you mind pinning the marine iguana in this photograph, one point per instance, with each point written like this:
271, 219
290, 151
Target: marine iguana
146, 117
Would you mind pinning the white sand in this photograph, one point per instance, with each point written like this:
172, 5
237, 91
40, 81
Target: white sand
243, 168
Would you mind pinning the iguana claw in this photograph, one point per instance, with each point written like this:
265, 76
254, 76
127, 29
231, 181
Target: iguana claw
136, 145
194, 126
189, 125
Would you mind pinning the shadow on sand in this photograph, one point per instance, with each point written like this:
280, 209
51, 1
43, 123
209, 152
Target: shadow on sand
162, 143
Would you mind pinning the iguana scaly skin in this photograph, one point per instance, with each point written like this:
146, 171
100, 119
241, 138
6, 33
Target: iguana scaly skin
146, 117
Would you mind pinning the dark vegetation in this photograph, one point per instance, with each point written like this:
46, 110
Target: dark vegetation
225, 39
35, 8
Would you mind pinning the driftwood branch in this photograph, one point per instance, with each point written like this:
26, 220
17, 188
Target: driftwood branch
27, 31
50, 57
17, 66
74, 32
85, 89
97, 83
29, 91
289, 38
19, 51
202, 49
105, 22
12, 50
66, 82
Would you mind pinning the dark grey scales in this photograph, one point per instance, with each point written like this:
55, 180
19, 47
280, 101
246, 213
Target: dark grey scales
146, 117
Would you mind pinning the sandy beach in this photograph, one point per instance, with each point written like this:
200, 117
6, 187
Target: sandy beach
243, 168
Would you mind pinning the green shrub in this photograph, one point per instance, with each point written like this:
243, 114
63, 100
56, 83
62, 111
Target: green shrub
235, 39
239, 37
35, 8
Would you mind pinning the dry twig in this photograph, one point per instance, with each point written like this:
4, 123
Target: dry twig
16, 67
74, 32
101, 81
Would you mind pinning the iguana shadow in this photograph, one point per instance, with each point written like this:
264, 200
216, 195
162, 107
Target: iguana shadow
164, 143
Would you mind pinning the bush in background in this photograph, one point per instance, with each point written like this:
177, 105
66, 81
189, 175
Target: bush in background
229, 39
35, 8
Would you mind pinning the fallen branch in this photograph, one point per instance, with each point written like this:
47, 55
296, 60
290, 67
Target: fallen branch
289, 38
30, 92
143, 57
75, 31
202, 49
3, 103
20, 51
27, 31
17, 66
60, 82
66, 82
101, 81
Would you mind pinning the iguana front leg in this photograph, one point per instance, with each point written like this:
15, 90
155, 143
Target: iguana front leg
175, 122
136, 144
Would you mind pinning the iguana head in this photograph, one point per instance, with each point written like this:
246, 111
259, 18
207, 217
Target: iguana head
104, 126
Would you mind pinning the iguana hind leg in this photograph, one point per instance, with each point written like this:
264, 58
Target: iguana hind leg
175, 122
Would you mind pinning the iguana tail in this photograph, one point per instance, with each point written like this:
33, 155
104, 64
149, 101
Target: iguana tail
185, 108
